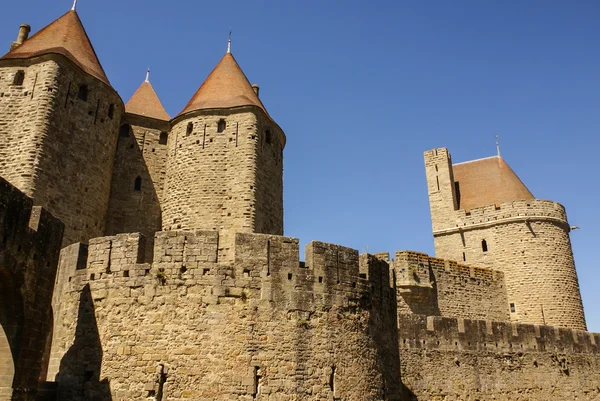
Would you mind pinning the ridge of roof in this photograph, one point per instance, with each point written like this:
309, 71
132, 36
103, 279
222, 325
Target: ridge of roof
145, 102
66, 36
477, 160
225, 87
488, 181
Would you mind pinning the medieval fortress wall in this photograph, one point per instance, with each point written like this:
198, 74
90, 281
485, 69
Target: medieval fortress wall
456, 359
263, 324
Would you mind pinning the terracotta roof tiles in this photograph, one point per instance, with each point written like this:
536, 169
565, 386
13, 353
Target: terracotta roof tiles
64, 36
225, 87
145, 102
488, 181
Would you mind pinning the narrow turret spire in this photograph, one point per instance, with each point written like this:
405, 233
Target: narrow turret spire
497, 145
229, 42
148, 75
74, 5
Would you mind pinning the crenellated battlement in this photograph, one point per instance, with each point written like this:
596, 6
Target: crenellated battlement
507, 212
452, 334
229, 267
434, 286
417, 266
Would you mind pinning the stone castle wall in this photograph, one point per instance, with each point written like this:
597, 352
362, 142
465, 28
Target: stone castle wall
438, 287
446, 358
141, 154
527, 240
60, 148
197, 324
224, 180
30, 239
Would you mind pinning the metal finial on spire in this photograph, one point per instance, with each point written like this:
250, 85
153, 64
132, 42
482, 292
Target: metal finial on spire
229, 42
74, 5
148, 75
497, 145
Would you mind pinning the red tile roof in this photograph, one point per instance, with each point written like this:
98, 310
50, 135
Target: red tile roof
488, 181
225, 87
145, 102
64, 36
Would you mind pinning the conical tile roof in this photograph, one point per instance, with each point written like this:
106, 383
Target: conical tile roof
64, 36
225, 87
488, 181
145, 102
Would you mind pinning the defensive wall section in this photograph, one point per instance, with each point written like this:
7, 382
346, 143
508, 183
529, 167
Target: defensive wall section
30, 240
458, 359
223, 317
438, 287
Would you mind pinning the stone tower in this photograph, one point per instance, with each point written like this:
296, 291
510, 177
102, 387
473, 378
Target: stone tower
139, 169
483, 215
225, 159
59, 122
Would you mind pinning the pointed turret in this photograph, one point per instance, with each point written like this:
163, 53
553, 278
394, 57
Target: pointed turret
225, 87
65, 36
225, 164
145, 102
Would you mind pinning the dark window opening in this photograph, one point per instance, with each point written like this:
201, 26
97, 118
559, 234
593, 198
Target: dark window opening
19, 78
138, 184
268, 136
124, 131
164, 137
464, 257
457, 193
484, 247
513, 309
221, 125
190, 128
83, 93
332, 379
111, 111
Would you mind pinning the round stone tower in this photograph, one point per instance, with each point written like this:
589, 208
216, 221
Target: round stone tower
59, 122
225, 159
483, 215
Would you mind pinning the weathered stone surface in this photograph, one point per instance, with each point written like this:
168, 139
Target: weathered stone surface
526, 240
30, 241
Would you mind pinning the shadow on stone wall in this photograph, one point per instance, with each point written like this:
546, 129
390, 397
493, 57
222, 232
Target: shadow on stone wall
134, 201
79, 374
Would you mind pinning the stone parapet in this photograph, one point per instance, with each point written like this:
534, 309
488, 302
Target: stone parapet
508, 212
496, 361
439, 287
253, 265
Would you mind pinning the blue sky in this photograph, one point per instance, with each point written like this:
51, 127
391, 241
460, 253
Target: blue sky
362, 89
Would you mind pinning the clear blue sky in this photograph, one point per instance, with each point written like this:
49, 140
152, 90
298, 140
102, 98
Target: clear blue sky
362, 88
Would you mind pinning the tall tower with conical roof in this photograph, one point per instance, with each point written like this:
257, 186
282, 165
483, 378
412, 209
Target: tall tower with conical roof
59, 122
483, 215
225, 163
140, 162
